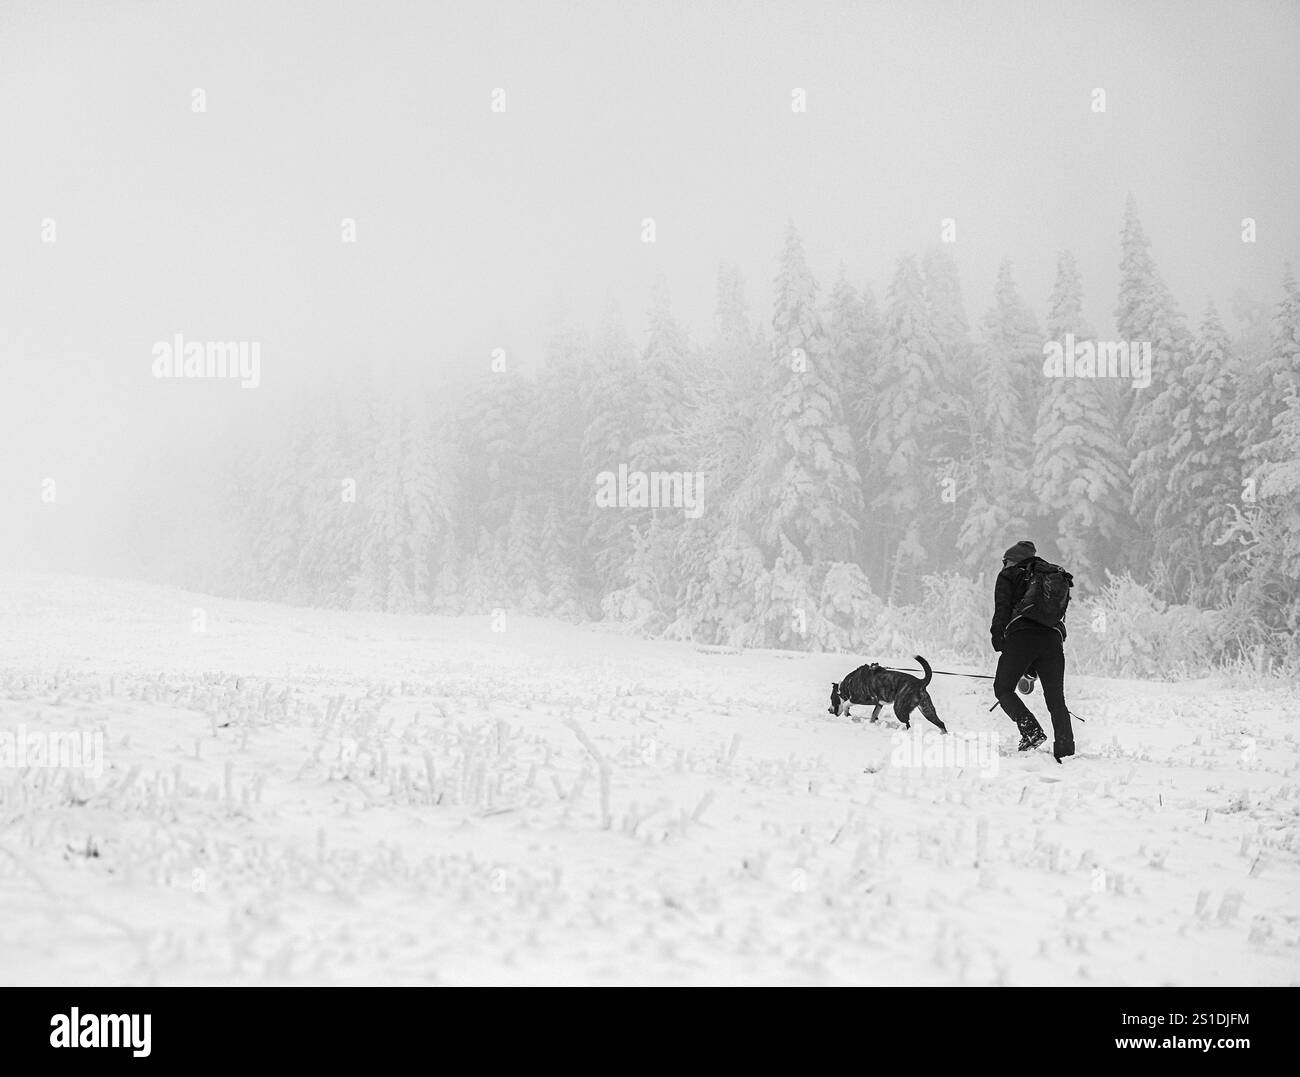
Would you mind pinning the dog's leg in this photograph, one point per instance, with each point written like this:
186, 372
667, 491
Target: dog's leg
875, 714
927, 708
903, 709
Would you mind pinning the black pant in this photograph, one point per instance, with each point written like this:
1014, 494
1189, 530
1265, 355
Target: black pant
1039, 647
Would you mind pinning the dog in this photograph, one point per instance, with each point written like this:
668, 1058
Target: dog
876, 685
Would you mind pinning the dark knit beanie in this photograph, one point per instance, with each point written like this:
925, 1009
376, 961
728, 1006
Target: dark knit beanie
1021, 551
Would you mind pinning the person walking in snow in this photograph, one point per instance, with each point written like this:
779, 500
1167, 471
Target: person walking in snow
1028, 645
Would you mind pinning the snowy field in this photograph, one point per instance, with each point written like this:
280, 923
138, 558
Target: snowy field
295, 796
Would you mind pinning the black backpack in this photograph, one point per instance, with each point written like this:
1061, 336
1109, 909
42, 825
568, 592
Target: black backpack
1046, 594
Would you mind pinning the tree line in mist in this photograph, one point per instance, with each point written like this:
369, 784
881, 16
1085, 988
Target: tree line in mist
852, 454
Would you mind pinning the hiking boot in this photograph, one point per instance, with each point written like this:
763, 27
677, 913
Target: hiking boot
1031, 740
1026, 685
1061, 751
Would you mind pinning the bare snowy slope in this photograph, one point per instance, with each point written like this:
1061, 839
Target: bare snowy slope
297, 796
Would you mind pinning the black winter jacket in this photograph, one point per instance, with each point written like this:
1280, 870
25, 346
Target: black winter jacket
1008, 589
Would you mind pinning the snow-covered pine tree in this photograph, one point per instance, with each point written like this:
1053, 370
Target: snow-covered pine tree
1080, 478
853, 339
908, 417
725, 433
853, 347
848, 341
859, 384
523, 558
406, 493
497, 465
278, 477
1249, 416
558, 556
805, 465
1204, 476
722, 605
1147, 312
674, 384
1008, 371
494, 565
667, 397
951, 447
1266, 387
714, 550
448, 593
875, 543
943, 300
1251, 412
850, 611
429, 488
330, 550
380, 556
610, 398
733, 352
798, 502
474, 591
1269, 567
556, 422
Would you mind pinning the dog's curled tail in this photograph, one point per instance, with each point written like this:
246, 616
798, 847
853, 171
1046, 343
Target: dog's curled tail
925, 666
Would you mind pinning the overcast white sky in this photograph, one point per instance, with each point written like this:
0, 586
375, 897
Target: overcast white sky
472, 224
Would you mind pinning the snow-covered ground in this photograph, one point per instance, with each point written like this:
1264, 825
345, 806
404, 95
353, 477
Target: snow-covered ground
298, 796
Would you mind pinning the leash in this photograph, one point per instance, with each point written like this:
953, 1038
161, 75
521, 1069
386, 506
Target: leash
942, 672
1068, 711
948, 673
